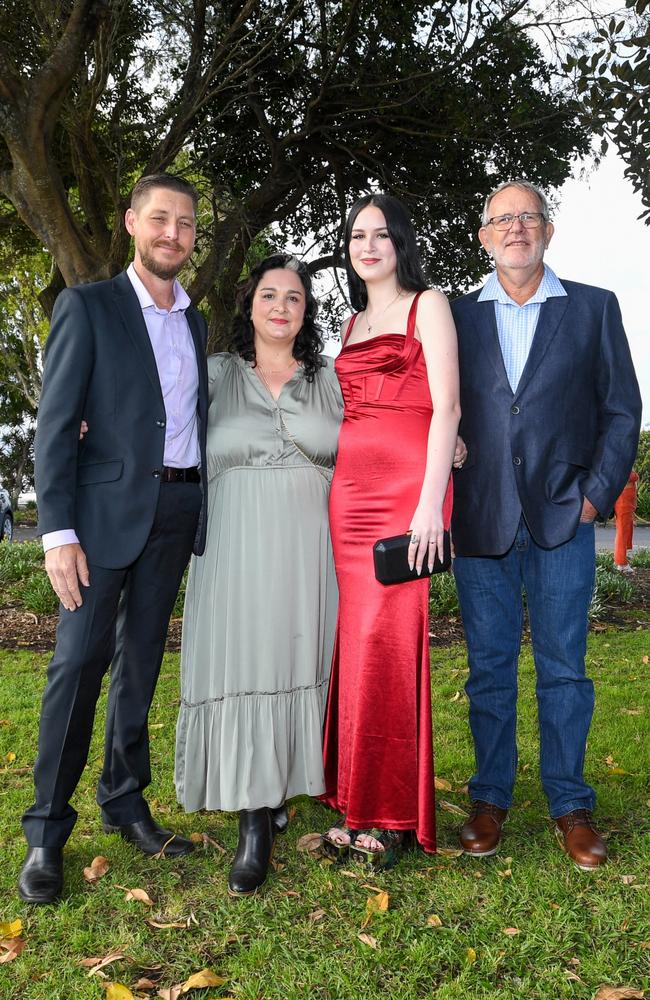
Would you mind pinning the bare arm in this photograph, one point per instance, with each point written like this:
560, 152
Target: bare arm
438, 335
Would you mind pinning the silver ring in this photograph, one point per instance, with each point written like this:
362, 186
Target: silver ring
460, 465
415, 539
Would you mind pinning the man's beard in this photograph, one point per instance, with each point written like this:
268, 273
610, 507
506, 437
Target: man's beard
164, 271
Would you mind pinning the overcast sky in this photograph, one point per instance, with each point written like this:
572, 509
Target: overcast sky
599, 240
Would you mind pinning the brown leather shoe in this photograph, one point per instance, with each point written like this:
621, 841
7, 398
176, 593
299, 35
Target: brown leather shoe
580, 839
481, 833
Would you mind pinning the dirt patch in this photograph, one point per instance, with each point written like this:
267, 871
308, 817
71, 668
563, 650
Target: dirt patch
20, 629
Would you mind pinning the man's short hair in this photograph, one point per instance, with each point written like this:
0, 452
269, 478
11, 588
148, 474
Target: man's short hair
523, 186
172, 182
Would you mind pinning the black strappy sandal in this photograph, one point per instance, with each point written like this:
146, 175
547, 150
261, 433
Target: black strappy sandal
394, 843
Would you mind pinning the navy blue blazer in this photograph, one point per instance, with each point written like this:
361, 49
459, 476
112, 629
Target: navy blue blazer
570, 430
100, 365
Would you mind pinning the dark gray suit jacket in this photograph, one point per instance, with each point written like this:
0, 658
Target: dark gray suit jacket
570, 430
100, 366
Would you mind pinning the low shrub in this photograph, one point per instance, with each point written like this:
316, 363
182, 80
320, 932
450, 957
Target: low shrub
443, 598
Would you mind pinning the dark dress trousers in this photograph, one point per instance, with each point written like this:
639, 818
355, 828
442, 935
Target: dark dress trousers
569, 431
137, 533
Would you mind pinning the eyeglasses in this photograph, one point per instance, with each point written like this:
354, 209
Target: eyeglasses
529, 220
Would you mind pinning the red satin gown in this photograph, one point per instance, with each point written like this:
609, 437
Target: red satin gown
378, 747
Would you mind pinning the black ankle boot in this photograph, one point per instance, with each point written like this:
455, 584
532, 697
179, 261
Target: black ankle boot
257, 830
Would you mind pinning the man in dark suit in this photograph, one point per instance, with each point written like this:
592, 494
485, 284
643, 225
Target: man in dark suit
550, 415
120, 513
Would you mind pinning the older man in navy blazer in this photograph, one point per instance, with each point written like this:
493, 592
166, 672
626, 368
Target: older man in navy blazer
120, 514
551, 415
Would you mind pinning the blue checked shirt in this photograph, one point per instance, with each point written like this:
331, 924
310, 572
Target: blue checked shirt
516, 324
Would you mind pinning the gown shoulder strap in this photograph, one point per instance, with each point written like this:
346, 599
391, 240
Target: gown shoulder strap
349, 329
410, 323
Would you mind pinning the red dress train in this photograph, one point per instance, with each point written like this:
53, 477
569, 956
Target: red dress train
378, 747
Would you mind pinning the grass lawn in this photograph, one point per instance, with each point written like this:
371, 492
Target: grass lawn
575, 931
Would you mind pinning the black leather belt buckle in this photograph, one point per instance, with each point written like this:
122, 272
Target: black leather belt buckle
170, 475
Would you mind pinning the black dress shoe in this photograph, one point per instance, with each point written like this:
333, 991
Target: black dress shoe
257, 830
151, 838
41, 877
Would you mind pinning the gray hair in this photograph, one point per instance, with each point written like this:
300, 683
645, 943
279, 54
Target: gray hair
522, 185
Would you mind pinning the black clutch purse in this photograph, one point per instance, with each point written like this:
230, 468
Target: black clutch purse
391, 560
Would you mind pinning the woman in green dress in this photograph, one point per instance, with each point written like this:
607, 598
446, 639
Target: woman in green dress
260, 609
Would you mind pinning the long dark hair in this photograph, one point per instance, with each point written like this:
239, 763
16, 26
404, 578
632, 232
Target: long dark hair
308, 345
410, 276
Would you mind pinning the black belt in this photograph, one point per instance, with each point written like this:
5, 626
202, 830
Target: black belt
169, 475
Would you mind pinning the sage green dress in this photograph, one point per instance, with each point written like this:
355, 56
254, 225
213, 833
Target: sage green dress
261, 602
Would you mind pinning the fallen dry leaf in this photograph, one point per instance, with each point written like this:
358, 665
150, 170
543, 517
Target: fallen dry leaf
206, 841
309, 842
630, 711
450, 807
97, 869
471, 955
368, 939
170, 992
645, 659
138, 894
456, 697
10, 757
292, 894
10, 948
116, 991
95, 964
450, 852
11, 929
511, 931
349, 874
506, 873
618, 993
610, 760
434, 921
628, 879
375, 904
442, 784
160, 925
617, 770
206, 977
145, 984
572, 976
316, 915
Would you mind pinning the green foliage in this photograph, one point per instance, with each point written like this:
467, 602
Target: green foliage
642, 466
283, 114
641, 559
613, 80
23, 580
609, 585
443, 597
276, 945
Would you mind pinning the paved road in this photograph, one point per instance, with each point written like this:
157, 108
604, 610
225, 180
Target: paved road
604, 537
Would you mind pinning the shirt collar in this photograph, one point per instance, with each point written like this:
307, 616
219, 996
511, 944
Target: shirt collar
549, 287
181, 298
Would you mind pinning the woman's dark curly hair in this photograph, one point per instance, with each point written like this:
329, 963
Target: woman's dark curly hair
308, 345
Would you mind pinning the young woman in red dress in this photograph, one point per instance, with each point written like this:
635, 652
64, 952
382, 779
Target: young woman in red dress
398, 370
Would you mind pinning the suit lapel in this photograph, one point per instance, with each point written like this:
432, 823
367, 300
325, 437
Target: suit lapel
486, 324
551, 314
131, 313
199, 347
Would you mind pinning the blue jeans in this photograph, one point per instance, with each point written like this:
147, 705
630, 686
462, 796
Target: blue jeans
558, 584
